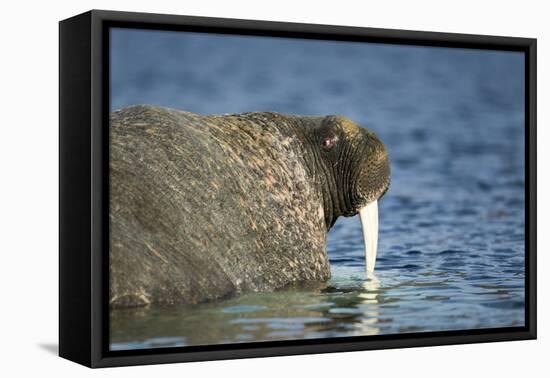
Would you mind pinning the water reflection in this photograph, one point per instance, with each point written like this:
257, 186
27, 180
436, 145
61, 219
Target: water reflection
350, 304
369, 297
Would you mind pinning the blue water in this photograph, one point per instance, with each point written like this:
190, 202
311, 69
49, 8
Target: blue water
451, 248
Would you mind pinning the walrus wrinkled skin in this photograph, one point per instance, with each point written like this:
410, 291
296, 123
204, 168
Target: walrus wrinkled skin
204, 207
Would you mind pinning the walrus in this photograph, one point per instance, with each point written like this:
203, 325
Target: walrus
206, 207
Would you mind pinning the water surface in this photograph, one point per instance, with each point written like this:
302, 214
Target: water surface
451, 248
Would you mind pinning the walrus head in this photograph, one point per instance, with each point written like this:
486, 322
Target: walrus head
354, 172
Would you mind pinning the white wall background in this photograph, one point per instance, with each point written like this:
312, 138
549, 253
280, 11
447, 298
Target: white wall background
29, 186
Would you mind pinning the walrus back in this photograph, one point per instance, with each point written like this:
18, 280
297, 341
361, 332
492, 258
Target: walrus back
203, 207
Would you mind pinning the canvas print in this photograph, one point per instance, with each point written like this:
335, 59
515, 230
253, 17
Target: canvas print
265, 189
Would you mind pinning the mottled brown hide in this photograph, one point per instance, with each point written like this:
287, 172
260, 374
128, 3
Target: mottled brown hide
203, 207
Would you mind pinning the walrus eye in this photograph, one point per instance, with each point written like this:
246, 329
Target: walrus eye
328, 142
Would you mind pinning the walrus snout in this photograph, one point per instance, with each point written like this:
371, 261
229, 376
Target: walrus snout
373, 179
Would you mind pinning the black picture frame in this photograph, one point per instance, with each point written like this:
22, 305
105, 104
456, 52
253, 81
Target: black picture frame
83, 183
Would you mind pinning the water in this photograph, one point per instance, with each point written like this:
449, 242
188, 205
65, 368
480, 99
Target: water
451, 248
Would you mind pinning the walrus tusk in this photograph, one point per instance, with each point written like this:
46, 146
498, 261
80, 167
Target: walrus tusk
369, 223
